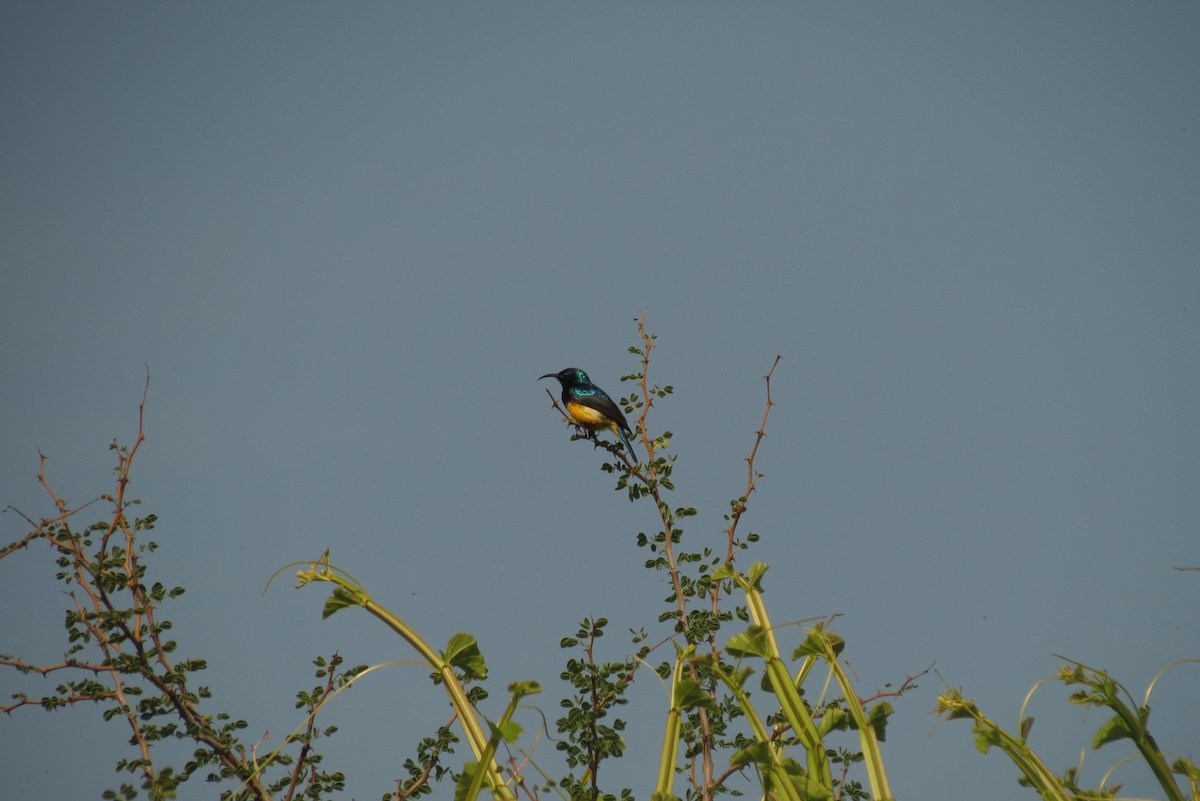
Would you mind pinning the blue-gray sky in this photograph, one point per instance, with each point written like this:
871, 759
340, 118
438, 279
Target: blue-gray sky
348, 238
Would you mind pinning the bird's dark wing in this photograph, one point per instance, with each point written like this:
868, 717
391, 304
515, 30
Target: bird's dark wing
597, 400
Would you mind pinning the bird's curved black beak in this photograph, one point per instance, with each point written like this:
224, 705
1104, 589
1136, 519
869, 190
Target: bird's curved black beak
548, 375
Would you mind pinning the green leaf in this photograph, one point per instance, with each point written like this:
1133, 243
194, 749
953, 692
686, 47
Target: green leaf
510, 732
757, 753
464, 781
463, 652
834, 719
1115, 729
757, 571
738, 678
751, 642
808, 787
878, 719
724, 572
819, 643
520, 689
689, 695
986, 737
338, 600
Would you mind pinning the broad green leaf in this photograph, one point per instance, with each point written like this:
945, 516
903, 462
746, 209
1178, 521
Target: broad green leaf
834, 719
338, 600
751, 642
819, 642
757, 571
807, 786
878, 718
1115, 729
463, 652
757, 753
464, 781
724, 572
810, 647
689, 695
510, 731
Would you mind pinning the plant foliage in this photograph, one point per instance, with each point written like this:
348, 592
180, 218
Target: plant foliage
750, 707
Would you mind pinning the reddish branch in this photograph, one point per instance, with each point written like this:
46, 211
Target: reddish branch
739, 507
97, 612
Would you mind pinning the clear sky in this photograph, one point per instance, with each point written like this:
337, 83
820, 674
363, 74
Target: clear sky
347, 239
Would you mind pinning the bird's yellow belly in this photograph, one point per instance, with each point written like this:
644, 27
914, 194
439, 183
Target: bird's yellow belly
587, 416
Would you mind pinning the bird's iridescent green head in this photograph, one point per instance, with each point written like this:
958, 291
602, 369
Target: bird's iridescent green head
571, 376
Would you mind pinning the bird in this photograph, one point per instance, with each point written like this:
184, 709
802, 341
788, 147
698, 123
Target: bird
590, 407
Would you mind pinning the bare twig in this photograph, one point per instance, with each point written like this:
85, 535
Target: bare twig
739, 507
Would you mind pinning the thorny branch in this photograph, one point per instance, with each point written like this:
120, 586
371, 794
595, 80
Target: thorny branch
739, 507
126, 630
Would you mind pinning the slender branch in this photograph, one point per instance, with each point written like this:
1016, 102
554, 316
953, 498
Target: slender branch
593, 691
25, 667
905, 686
664, 510
306, 747
740, 506
842, 782
421, 779
69, 700
123, 635
704, 784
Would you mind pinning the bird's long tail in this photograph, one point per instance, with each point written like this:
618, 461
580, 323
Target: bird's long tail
628, 444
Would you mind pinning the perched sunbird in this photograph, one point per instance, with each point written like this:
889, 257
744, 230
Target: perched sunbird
590, 407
